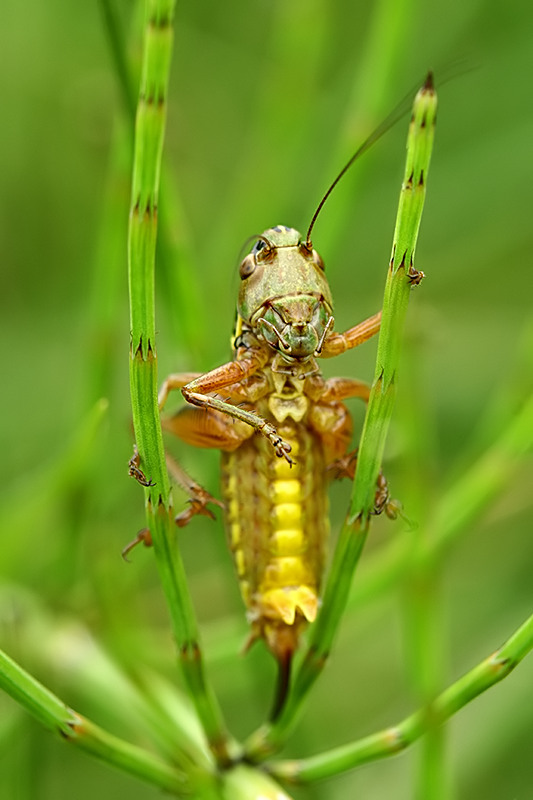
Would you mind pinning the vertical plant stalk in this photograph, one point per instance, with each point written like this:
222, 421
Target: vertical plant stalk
426, 659
177, 279
401, 276
148, 147
423, 624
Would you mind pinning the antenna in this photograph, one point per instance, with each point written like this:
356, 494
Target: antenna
395, 116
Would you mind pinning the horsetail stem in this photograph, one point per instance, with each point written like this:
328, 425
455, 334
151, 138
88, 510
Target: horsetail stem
148, 147
398, 737
400, 277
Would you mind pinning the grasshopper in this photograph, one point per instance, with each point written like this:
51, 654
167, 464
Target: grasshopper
283, 430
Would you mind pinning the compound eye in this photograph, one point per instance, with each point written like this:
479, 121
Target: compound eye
263, 250
247, 266
318, 261
304, 250
258, 246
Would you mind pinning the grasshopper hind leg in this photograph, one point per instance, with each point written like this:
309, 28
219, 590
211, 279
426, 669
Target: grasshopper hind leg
199, 498
143, 537
201, 427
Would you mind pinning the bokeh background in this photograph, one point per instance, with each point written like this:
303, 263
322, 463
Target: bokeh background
267, 100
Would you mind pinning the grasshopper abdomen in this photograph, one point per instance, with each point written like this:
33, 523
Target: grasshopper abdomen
277, 526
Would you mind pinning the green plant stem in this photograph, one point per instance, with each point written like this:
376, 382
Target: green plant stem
355, 529
172, 727
397, 738
176, 275
382, 54
149, 135
246, 783
424, 645
55, 715
463, 501
117, 51
424, 634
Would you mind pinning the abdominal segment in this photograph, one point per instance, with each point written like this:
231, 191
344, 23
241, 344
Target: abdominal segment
277, 525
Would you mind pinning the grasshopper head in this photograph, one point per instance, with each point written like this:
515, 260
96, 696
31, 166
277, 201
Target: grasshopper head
284, 294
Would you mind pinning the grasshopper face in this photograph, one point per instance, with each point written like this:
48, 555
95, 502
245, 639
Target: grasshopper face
284, 295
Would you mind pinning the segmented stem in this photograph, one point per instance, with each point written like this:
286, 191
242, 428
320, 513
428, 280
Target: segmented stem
400, 277
149, 135
394, 739
46, 707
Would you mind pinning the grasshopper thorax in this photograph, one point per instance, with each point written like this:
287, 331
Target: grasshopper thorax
284, 295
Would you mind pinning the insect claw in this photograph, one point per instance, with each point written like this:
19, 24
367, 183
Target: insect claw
141, 478
207, 512
383, 502
135, 472
415, 276
198, 505
185, 516
343, 467
282, 450
143, 536
393, 509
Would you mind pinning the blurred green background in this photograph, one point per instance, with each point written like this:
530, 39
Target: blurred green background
267, 101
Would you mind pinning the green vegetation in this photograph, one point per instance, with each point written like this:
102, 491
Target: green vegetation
264, 105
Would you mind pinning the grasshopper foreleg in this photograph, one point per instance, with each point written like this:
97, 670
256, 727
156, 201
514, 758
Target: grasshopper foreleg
199, 392
210, 421
281, 447
175, 381
337, 343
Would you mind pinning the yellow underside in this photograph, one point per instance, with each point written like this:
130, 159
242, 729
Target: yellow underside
277, 524
286, 602
288, 583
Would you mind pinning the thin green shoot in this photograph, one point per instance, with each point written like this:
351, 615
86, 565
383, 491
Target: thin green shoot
401, 277
148, 147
